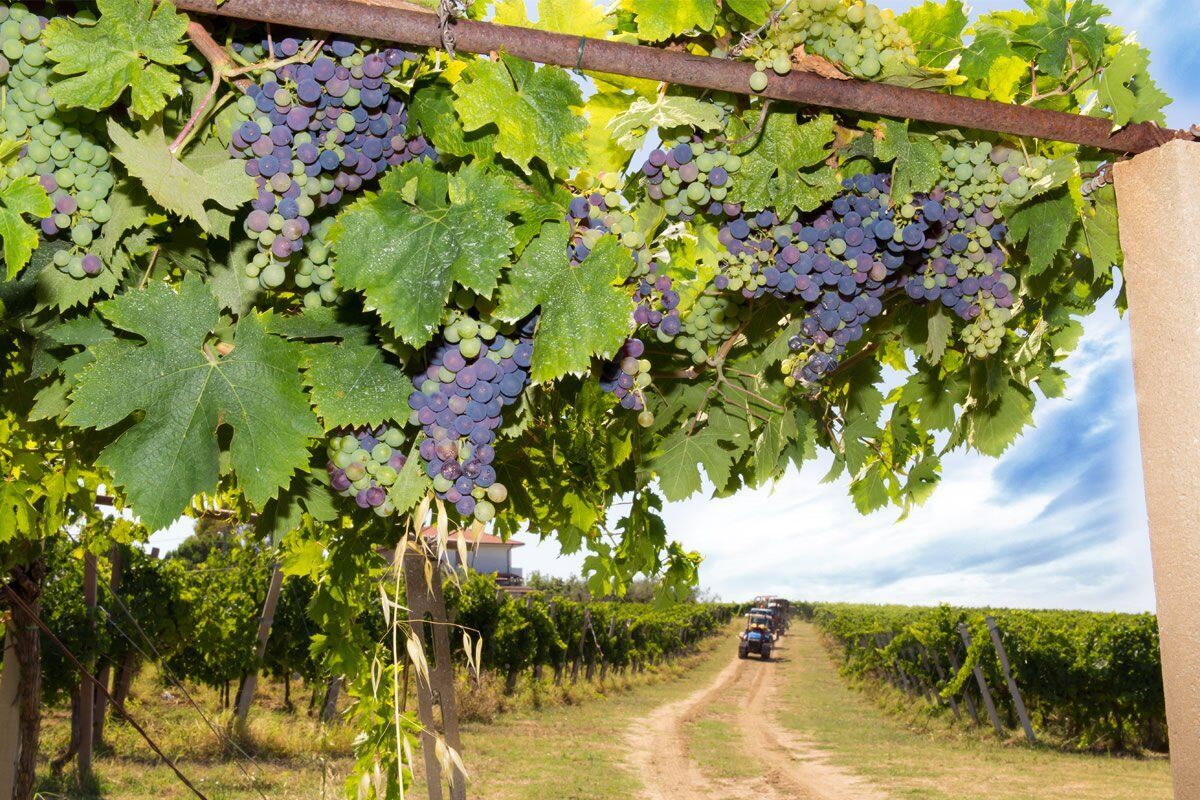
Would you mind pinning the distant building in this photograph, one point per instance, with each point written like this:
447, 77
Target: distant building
490, 555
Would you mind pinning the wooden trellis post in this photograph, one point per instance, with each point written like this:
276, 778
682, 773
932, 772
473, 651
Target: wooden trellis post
87, 692
983, 686
1018, 702
1158, 196
249, 686
931, 658
427, 603
114, 583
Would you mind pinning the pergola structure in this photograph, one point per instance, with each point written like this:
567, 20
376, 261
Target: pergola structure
1158, 196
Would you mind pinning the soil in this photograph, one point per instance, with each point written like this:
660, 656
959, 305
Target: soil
787, 767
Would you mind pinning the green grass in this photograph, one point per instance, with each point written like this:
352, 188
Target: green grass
883, 737
577, 752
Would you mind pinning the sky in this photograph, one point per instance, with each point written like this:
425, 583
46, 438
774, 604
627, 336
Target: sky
1059, 521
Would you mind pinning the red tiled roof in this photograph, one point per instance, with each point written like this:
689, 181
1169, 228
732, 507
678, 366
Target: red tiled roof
472, 538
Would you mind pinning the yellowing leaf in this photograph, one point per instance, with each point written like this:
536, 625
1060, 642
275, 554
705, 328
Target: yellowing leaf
576, 17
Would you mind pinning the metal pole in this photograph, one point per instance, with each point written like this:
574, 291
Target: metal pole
416, 27
1158, 199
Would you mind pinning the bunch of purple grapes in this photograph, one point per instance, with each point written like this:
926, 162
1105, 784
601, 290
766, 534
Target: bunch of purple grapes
627, 376
364, 463
313, 132
474, 372
689, 176
657, 302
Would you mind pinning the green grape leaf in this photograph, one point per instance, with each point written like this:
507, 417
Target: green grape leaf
917, 166
667, 111
1057, 25
412, 482
939, 334
778, 164
182, 392
753, 10
322, 322
532, 109
991, 428
126, 48
227, 279
1099, 225
923, 478
662, 19
58, 290
407, 245
936, 29
604, 152
23, 195
677, 465
1043, 224
182, 186
354, 385
870, 491
1126, 87
575, 17
308, 495
584, 313
18, 517
432, 106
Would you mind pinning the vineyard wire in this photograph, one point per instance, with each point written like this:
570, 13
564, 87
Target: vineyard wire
16, 598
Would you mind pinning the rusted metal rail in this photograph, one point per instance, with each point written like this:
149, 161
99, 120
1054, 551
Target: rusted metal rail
400, 22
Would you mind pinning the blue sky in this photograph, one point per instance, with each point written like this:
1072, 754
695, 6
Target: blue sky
1058, 521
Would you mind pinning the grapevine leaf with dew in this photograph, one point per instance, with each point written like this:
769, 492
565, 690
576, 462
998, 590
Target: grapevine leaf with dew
354, 385
128, 47
407, 245
783, 165
533, 109
181, 391
22, 196
584, 313
184, 185
667, 111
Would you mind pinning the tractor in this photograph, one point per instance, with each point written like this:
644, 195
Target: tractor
757, 638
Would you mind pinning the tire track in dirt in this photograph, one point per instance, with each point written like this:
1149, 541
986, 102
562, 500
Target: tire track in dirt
791, 769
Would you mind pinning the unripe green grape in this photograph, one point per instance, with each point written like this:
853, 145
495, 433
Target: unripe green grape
758, 81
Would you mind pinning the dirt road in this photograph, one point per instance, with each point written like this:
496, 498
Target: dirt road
784, 767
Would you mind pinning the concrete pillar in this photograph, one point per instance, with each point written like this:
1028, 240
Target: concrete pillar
1158, 199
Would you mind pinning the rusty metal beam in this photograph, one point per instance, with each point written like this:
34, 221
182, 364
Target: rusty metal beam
400, 22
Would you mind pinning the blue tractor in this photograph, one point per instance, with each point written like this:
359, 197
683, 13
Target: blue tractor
757, 638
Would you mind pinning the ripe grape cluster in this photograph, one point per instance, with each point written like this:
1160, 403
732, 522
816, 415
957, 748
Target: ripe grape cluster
862, 38
474, 372
657, 302
312, 133
689, 175
364, 463
62, 146
627, 376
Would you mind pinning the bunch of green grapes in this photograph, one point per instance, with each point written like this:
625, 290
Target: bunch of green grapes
992, 175
689, 175
314, 272
711, 319
863, 39
62, 146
